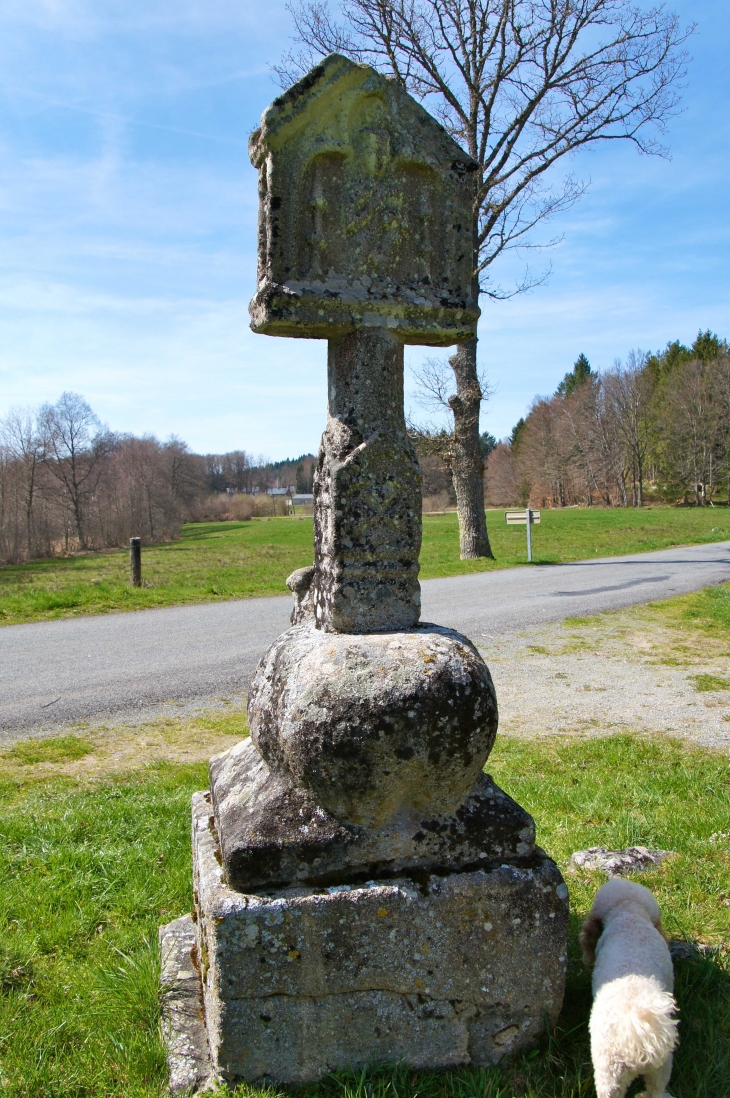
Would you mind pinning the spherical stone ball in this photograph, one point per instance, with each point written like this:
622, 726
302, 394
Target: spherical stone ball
375, 726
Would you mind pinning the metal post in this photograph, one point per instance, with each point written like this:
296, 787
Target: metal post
135, 562
528, 515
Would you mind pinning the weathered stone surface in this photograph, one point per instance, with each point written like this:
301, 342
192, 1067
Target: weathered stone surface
365, 213
460, 969
272, 834
375, 726
680, 949
617, 863
183, 1026
300, 585
367, 493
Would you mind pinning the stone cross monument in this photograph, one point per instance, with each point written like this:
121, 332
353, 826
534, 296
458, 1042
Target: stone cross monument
364, 892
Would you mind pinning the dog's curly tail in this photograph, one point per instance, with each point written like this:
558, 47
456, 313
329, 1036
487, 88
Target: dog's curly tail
639, 1017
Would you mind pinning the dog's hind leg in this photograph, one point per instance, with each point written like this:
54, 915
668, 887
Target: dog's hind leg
612, 1080
656, 1080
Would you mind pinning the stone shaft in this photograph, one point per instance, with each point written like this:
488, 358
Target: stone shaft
367, 493
459, 969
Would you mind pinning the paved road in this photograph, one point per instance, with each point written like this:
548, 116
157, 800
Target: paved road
96, 667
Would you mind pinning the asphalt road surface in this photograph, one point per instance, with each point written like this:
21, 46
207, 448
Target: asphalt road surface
52, 673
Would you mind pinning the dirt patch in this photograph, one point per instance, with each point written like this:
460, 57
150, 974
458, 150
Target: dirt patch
92, 753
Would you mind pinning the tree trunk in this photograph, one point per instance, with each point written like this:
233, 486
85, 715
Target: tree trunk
30, 488
78, 521
467, 465
634, 497
149, 512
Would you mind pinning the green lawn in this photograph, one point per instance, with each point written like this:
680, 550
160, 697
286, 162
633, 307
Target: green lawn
214, 561
90, 870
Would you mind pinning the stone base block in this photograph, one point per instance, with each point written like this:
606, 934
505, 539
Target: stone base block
183, 1027
435, 972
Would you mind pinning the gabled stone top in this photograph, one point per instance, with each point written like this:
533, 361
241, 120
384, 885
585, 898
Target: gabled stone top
365, 213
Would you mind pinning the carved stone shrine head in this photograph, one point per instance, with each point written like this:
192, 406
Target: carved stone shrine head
366, 210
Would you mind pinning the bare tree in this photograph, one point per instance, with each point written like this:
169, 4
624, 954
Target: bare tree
694, 430
596, 450
75, 445
66, 481
183, 475
146, 490
436, 381
521, 84
545, 455
503, 483
629, 391
7, 548
24, 446
580, 423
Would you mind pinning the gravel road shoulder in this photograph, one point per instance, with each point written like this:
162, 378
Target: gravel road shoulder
618, 672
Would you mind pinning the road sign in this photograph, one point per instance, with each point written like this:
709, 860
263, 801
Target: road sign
519, 518
527, 518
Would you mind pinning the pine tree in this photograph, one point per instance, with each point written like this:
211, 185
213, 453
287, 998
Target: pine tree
581, 372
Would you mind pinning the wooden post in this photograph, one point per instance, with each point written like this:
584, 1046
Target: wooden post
528, 516
135, 562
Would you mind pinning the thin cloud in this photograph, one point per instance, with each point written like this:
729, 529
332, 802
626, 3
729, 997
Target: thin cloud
128, 120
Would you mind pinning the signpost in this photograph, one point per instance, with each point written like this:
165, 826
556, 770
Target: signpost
524, 518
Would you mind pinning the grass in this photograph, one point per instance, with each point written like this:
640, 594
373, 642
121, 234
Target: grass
57, 749
686, 630
91, 868
707, 683
704, 612
217, 561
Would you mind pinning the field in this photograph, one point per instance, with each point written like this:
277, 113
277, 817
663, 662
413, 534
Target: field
230, 560
95, 854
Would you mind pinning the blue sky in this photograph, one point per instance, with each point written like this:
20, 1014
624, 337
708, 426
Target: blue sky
127, 228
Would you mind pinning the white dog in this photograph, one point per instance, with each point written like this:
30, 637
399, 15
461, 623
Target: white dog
632, 1029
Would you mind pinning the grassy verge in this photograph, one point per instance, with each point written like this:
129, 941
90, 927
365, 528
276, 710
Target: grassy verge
93, 861
216, 561
704, 613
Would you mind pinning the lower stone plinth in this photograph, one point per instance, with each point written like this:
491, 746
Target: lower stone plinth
183, 1028
434, 972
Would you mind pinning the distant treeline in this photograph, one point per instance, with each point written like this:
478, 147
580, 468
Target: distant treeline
67, 483
238, 471
656, 428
